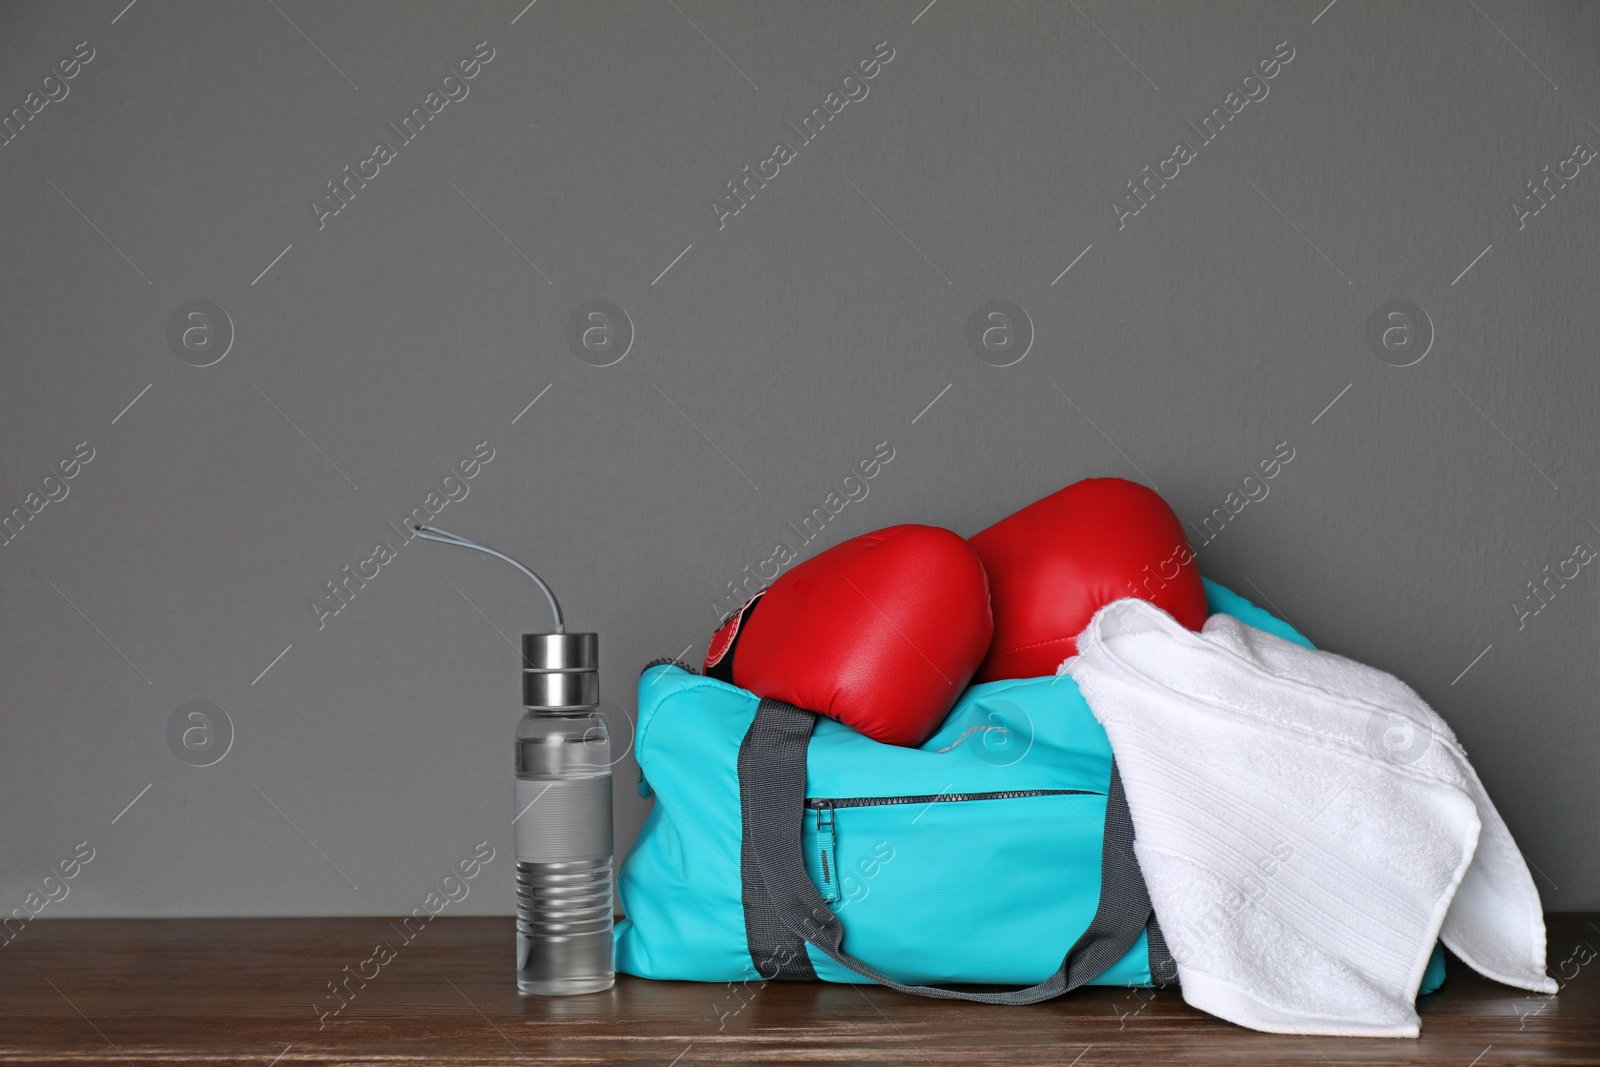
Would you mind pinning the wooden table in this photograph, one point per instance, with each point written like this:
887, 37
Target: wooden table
245, 991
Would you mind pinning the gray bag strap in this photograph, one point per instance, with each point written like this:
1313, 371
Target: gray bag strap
772, 784
1163, 968
777, 952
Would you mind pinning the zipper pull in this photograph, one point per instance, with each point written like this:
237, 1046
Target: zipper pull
827, 863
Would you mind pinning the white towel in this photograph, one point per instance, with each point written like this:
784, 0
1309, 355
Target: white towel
1307, 826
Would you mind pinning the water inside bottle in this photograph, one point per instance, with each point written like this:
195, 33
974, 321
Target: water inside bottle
564, 917
564, 855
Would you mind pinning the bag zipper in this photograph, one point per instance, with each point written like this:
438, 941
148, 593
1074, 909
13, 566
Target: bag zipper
827, 856
827, 860
821, 803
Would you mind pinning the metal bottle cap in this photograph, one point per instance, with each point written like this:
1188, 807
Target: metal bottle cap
561, 671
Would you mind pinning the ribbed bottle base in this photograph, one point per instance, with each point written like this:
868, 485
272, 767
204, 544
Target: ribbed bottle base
564, 921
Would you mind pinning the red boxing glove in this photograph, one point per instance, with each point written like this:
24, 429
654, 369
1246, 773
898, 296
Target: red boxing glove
881, 632
1056, 562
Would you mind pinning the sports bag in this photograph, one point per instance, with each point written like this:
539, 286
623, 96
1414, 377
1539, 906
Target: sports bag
785, 845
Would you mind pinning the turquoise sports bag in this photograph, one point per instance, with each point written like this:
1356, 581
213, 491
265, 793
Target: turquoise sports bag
785, 845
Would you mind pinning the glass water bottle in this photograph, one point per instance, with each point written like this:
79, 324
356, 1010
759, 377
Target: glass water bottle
563, 820
563, 805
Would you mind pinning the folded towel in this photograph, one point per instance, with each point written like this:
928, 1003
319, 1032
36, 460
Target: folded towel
1307, 826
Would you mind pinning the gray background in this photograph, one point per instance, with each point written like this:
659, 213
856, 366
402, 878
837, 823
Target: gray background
823, 319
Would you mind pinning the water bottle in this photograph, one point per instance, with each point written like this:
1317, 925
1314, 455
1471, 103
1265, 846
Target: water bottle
563, 820
563, 806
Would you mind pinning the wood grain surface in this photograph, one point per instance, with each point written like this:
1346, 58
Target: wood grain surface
253, 991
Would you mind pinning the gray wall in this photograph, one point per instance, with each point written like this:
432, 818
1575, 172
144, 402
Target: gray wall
392, 337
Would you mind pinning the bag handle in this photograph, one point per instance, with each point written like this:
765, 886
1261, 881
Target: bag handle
780, 898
